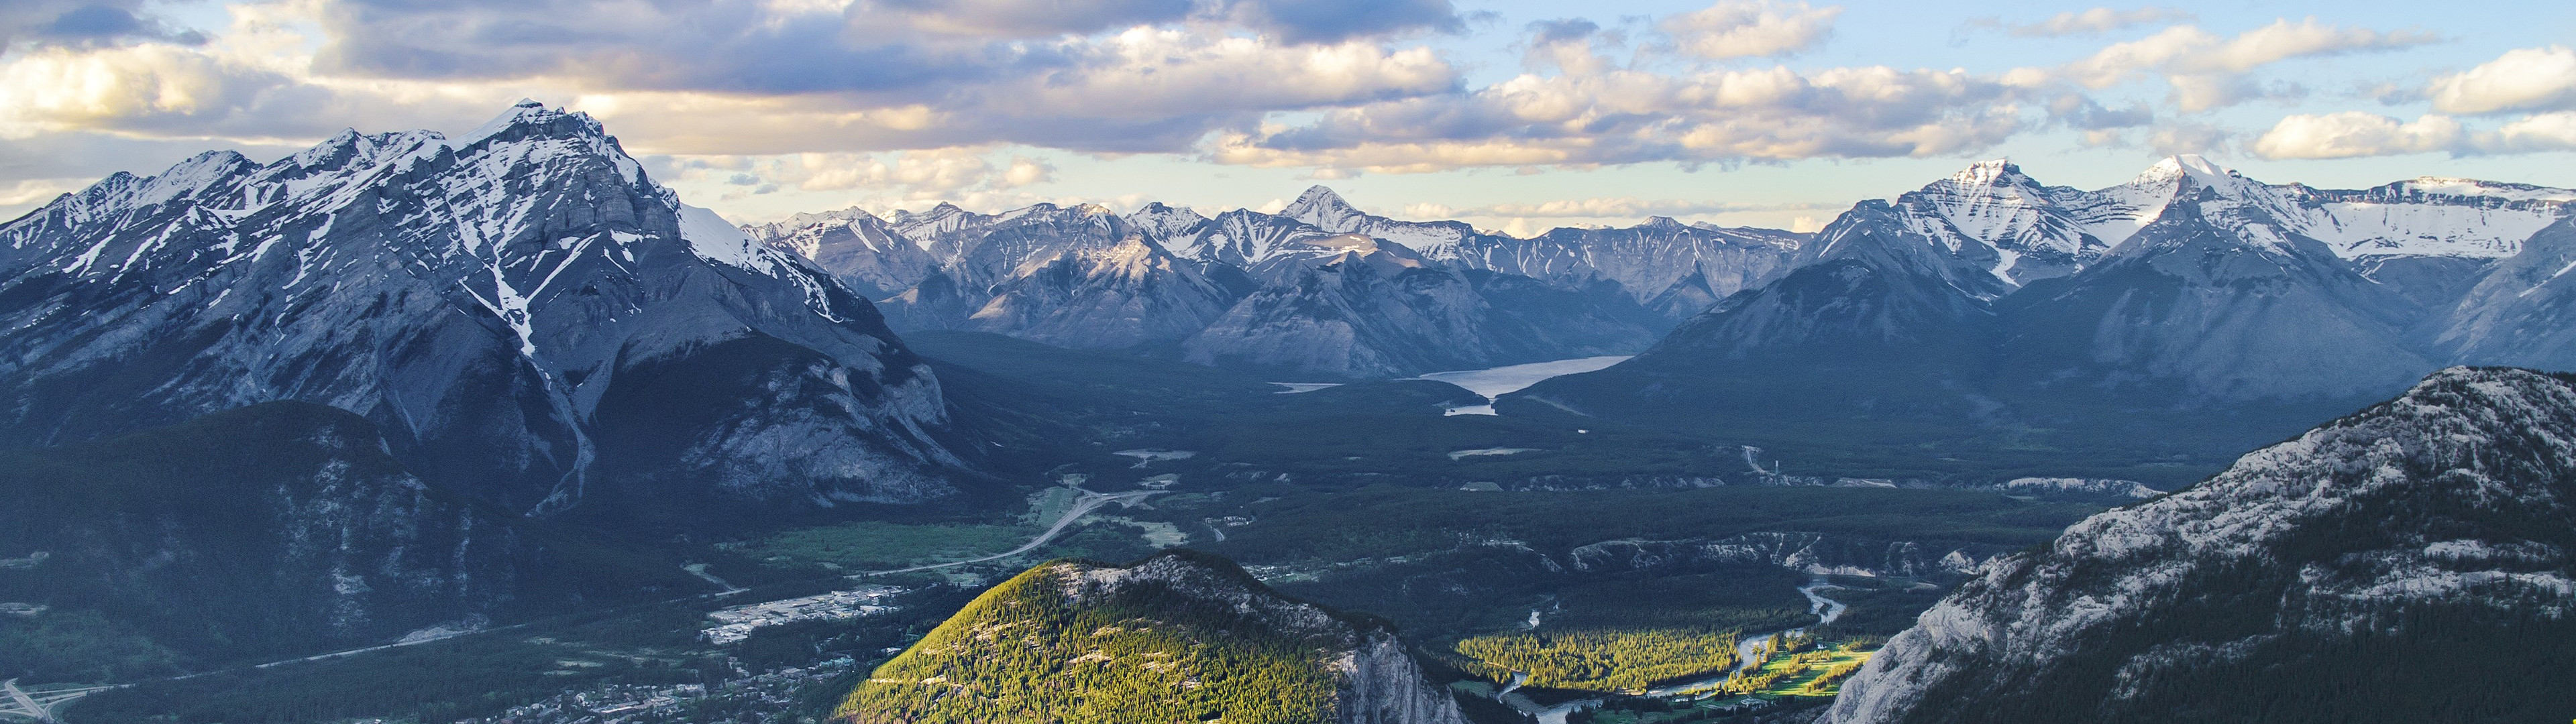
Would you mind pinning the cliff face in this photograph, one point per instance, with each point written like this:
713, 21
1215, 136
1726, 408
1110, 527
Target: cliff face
2309, 582
1382, 684
1181, 636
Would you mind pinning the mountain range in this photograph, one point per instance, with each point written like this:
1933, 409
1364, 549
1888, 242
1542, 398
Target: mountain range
404, 384
2191, 309
1319, 289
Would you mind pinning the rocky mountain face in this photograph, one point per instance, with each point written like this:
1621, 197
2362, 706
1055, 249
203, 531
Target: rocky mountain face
272, 529
1989, 305
526, 315
2400, 544
1178, 637
2517, 313
1286, 291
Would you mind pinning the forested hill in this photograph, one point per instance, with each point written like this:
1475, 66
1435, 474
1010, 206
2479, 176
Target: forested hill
1181, 636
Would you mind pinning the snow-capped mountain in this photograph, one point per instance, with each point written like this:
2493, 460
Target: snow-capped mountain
1131, 295
1269, 290
2394, 545
1677, 270
1990, 305
2518, 311
523, 311
856, 247
2221, 297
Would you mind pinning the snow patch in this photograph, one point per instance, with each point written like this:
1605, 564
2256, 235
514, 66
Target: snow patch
717, 240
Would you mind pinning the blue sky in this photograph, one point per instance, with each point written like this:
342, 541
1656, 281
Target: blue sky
1516, 116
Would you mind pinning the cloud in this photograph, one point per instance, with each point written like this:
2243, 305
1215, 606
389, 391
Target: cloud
915, 49
1629, 116
2185, 137
2531, 134
1334, 21
2206, 71
2096, 20
142, 89
2352, 134
2525, 79
1144, 88
82, 23
1749, 28
919, 175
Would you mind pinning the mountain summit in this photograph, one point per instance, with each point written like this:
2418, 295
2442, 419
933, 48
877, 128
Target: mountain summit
524, 313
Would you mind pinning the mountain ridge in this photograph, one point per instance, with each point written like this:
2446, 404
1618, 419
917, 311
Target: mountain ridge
2382, 546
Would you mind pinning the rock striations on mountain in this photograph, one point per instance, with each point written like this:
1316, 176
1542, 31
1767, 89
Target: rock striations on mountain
2408, 563
1181, 636
524, 313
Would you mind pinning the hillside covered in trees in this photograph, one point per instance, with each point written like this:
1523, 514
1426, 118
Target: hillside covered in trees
1179, 637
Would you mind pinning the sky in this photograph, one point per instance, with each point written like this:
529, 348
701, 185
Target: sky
1513, 115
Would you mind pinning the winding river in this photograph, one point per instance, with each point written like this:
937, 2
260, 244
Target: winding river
1825, 609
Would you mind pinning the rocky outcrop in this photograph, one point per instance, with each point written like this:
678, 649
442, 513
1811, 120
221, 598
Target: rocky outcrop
2398, 544
1804, 552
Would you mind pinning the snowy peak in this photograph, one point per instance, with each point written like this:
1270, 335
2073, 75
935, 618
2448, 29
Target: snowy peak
1987, 173
2189, 165
1326, 210
1995, 218
1163, 221
532, 119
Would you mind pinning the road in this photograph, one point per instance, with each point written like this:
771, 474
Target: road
1082, 506
39, 704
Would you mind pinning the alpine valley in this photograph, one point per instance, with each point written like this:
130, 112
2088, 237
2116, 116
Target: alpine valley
494, 428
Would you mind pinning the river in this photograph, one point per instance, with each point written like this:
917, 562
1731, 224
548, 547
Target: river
1825, 609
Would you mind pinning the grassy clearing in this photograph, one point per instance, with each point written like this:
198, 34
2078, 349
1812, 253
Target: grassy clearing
1800, 666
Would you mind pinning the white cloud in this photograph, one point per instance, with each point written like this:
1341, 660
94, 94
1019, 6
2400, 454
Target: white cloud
2525, 79
2207, 71
2352, 134
1749, 28
2530, 134
1138, 89
2181, 137
2096, 20
1628, 116
1025, 171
